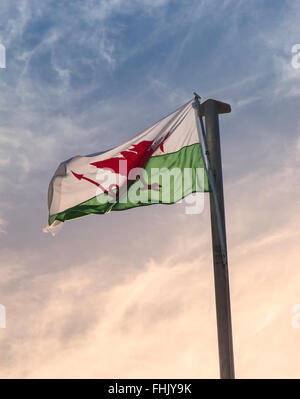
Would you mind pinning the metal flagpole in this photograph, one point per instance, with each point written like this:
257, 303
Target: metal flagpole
211, 109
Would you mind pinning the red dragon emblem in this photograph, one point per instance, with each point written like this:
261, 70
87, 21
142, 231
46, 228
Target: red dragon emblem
135, 156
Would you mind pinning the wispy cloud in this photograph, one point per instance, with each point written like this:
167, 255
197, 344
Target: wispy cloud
3, 224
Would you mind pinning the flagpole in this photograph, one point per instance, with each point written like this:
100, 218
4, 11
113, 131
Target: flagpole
211, 109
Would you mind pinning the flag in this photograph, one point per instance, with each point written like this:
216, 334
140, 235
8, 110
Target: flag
162, 164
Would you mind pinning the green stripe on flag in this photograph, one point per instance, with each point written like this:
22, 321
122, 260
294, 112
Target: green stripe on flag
181, 184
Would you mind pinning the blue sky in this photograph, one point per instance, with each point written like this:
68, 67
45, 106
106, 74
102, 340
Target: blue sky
92, 74
84, 76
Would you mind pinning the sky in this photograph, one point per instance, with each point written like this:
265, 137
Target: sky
131, 294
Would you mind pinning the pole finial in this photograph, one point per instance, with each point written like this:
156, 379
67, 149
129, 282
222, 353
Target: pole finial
197, 97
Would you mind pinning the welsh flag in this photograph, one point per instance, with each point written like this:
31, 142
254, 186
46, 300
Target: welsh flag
162, 164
